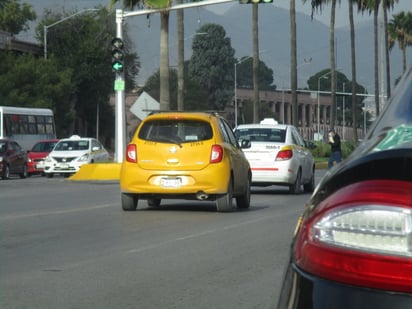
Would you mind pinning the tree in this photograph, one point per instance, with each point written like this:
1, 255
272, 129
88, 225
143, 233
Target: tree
265, 111
353, 68
14, 17
27, 81
180, 58
211, 64
293, 64
340, 80
372, 6
245, 76
400, 31
196, 98
164, 43
82, 43
386, 6
318, 4
255, 68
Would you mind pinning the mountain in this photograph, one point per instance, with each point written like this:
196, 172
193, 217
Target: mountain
274, 40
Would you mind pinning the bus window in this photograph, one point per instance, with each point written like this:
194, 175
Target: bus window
26, 125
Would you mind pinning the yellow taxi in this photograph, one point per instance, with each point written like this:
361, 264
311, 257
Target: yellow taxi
185, 155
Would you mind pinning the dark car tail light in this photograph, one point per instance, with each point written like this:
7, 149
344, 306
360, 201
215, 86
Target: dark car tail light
284, 155
361, 235
216, 154
131, 153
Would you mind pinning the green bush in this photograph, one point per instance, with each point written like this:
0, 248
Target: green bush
322, 149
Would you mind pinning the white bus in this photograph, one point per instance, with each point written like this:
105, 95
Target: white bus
26, 125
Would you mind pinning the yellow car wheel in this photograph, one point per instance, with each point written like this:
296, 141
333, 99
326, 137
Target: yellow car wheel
224, 203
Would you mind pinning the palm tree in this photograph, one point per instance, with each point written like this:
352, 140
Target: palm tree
386, 6
332, 61
372, 6
293, 64
318, 4
164, 43
400, 30
255, 21
180, 58
353, 66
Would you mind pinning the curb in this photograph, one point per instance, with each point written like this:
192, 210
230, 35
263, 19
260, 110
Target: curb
98, 171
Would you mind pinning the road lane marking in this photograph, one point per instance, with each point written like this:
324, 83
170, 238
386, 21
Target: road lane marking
54, 212
200, 234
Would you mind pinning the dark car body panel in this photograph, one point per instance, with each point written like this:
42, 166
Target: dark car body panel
309, 292
385, 154
14, 159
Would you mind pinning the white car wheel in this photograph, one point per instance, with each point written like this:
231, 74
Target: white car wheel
295, 187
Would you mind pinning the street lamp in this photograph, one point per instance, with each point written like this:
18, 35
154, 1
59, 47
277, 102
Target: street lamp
45, 28
305, 62
236, 63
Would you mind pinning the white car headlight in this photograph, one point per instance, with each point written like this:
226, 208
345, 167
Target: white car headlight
84, 157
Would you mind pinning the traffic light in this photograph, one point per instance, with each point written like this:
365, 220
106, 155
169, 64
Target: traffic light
117, 55
254, 1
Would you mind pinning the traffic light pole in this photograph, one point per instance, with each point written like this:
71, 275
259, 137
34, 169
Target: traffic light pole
120, 123
120, 131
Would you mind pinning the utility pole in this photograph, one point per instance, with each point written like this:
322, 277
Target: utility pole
120, 118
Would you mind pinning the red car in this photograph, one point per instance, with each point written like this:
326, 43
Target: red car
13, 159
37, 154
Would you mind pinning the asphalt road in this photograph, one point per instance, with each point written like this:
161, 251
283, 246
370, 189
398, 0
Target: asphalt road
66, 244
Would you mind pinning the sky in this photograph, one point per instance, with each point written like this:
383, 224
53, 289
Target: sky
341, 19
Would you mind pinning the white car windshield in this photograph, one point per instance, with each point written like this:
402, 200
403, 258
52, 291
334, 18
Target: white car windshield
72, 145
273, 135
176, 131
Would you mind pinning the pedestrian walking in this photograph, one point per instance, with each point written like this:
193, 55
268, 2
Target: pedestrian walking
336, 151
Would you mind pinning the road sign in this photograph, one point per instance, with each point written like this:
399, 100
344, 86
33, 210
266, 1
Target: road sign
143, 105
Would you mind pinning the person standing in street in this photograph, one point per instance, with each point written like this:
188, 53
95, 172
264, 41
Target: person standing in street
336, 151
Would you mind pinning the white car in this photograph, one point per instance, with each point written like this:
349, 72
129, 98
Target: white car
70, 154
278, 155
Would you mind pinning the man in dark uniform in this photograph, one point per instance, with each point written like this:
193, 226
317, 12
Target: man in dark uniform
336, 151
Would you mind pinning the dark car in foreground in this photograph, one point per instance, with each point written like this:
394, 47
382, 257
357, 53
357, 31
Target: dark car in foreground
13, 159
353, 243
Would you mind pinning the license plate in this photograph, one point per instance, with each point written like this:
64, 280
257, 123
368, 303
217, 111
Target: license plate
170, 182
63, 165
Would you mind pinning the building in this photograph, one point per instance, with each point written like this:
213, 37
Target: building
308, 105
10, 43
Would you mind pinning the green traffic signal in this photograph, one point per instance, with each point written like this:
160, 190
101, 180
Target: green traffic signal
117, 66
117, 55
